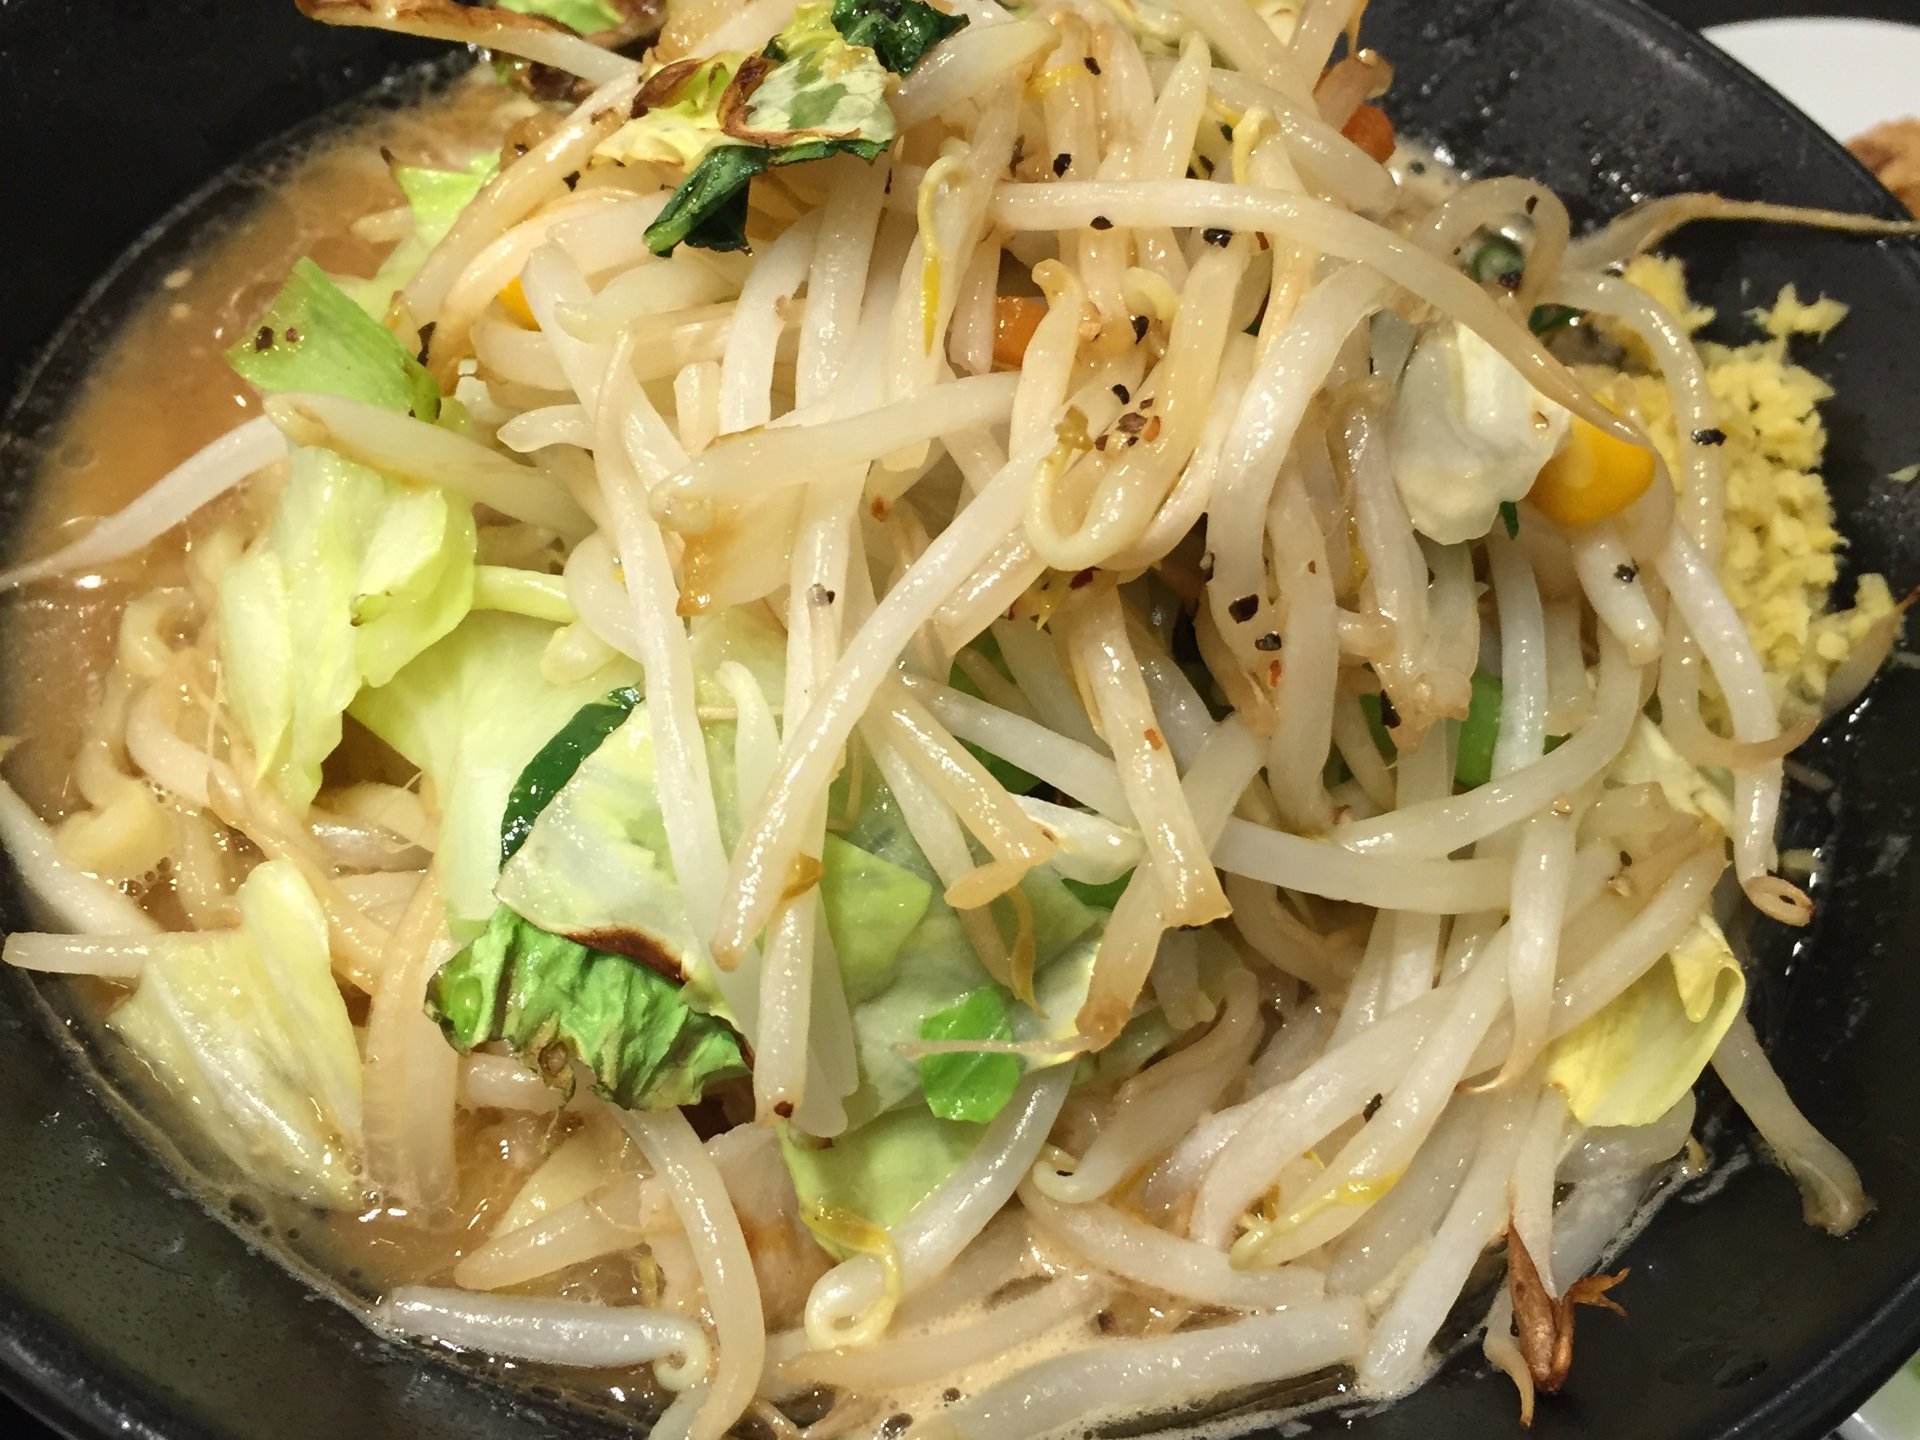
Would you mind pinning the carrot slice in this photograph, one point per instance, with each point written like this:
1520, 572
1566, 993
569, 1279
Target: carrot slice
1372, 131
1015, 318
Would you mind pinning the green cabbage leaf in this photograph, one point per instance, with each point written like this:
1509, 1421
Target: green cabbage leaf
355, 577
247, 1030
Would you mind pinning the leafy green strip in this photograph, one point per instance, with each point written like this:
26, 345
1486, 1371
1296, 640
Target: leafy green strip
709, 210
557, 763
587, 17
1473, 760
900, 32
314, 337
554, 1001
970, 1085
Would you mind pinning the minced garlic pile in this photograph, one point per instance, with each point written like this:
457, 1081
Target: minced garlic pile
1782, 551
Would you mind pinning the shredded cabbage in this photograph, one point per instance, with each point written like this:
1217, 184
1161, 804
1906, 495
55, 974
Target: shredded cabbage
356, 576
247, 1029
472, 712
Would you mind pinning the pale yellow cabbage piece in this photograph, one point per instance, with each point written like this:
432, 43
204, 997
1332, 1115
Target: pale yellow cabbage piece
247, 1030
1631, 1063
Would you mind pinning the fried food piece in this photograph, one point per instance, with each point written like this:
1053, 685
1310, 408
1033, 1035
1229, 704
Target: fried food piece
1892, 151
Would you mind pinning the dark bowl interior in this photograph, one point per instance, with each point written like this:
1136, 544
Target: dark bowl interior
125, 1308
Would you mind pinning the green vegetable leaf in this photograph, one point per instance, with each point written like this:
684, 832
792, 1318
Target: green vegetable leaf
436, 198
1496, 260
1473, 760
556, 763
587, 17
971, 1085
1099, 897
1011, 777
247, 1029
810, 95
553, 1001
1545, 320
871, 907
900, 32
878, 1172
709, 210
314, 337
472, 712
1510, 518
356, 576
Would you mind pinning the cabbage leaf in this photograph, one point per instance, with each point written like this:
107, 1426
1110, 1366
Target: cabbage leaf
595, 867
472, 712
820, 88
356, 575
436, 198
316, 337
553, 1001
1630, 1063
878, 1172
970, 1085
247, 1030
584, 17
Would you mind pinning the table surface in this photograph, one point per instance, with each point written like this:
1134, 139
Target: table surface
17, 1424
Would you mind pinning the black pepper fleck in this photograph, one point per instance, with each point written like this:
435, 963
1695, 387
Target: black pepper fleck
1139, 328
263, 339
1124, 395
1533, 203
571, 181
1081, 578
1206, 163
426, 339
1626, 574
1417, 167
1245, 608
1093, 65
1062, 163
1101, 222
820, 595
895, 1426
1217, 235
1372, 1105
950, 1394
1268, 642
1715, 436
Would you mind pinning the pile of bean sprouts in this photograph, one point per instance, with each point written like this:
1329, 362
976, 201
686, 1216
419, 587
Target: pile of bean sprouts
821, 430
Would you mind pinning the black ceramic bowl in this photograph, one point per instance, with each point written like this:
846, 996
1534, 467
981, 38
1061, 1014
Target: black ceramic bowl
125, 1308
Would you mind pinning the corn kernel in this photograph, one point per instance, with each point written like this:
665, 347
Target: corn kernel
1594, 475
513, 300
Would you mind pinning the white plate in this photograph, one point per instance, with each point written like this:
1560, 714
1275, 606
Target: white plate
1849, 75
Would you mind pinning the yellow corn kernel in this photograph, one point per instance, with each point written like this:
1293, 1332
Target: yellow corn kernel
513, 300
1594, 475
